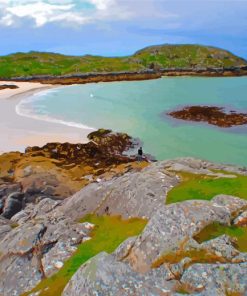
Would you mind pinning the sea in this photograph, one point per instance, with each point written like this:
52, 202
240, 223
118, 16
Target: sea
140, 109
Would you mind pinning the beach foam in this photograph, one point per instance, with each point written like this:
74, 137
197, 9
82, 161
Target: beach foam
23, 108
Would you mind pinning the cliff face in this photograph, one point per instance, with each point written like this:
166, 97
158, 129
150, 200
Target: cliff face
168, 59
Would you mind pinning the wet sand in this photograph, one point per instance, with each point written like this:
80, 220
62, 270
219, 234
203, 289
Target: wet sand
18, 132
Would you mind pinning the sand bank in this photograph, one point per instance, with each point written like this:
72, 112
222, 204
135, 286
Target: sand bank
18, 132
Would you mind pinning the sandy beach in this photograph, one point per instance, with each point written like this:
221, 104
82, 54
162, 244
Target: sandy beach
18, 132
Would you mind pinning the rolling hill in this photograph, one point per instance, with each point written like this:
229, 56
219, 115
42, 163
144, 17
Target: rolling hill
154, 57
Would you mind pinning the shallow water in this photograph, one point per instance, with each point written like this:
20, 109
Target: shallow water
136, 108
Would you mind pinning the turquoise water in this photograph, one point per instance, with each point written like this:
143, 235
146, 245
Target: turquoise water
136, 108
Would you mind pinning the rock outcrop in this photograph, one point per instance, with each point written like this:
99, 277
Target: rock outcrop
37, 246
102, 275
8, 86
171, 230
216, 279
135, 194
57, 170
37, 240
210, 114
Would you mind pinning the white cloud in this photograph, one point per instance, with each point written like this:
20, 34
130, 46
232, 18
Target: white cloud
102, 4
75, 12
40, 12
13, 12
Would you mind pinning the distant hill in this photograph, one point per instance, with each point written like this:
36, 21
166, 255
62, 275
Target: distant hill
153, 57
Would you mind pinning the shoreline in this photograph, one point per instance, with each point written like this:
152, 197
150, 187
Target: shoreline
83, 78
18, 132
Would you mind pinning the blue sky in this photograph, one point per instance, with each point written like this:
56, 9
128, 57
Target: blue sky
120, 27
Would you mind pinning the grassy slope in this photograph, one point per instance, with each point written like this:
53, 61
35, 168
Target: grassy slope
205, 187
164, 56
108, 234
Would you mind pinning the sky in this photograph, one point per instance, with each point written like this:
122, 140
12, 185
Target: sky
120, 27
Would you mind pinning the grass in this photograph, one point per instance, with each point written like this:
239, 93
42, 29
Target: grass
202, 187
206, 187
215, 229
108, 234
155, 57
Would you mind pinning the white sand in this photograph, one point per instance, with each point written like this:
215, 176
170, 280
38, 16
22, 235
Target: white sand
17, 132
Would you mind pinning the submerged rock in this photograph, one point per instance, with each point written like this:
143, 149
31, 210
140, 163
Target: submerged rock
210, 114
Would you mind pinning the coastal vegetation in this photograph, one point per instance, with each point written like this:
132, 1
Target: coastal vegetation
216, 229
150, 58
205, 187
109, 232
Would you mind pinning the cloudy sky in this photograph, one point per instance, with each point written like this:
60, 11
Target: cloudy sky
120, 27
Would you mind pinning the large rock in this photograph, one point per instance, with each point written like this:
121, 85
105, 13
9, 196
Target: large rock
13, 204
102, 275
198, 166
38, 210
5, 227
216, 279
19, 274
38, 246
233, 204
170, 227
5, 190
44, 234
173, 225
221, 249
135, 194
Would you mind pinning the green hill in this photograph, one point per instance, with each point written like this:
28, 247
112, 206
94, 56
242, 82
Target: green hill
188, 56
153, 57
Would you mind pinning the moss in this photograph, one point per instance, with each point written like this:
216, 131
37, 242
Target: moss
14, 225
109, 232
196, 256
183, 291
215, 229
205, 187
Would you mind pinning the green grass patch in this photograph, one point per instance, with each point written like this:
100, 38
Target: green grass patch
206, 187
215, 229
109, 233
154, 57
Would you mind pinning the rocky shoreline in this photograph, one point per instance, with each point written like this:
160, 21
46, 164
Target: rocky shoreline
47, 191
38, 240
58, 170
132, 76
210, 114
